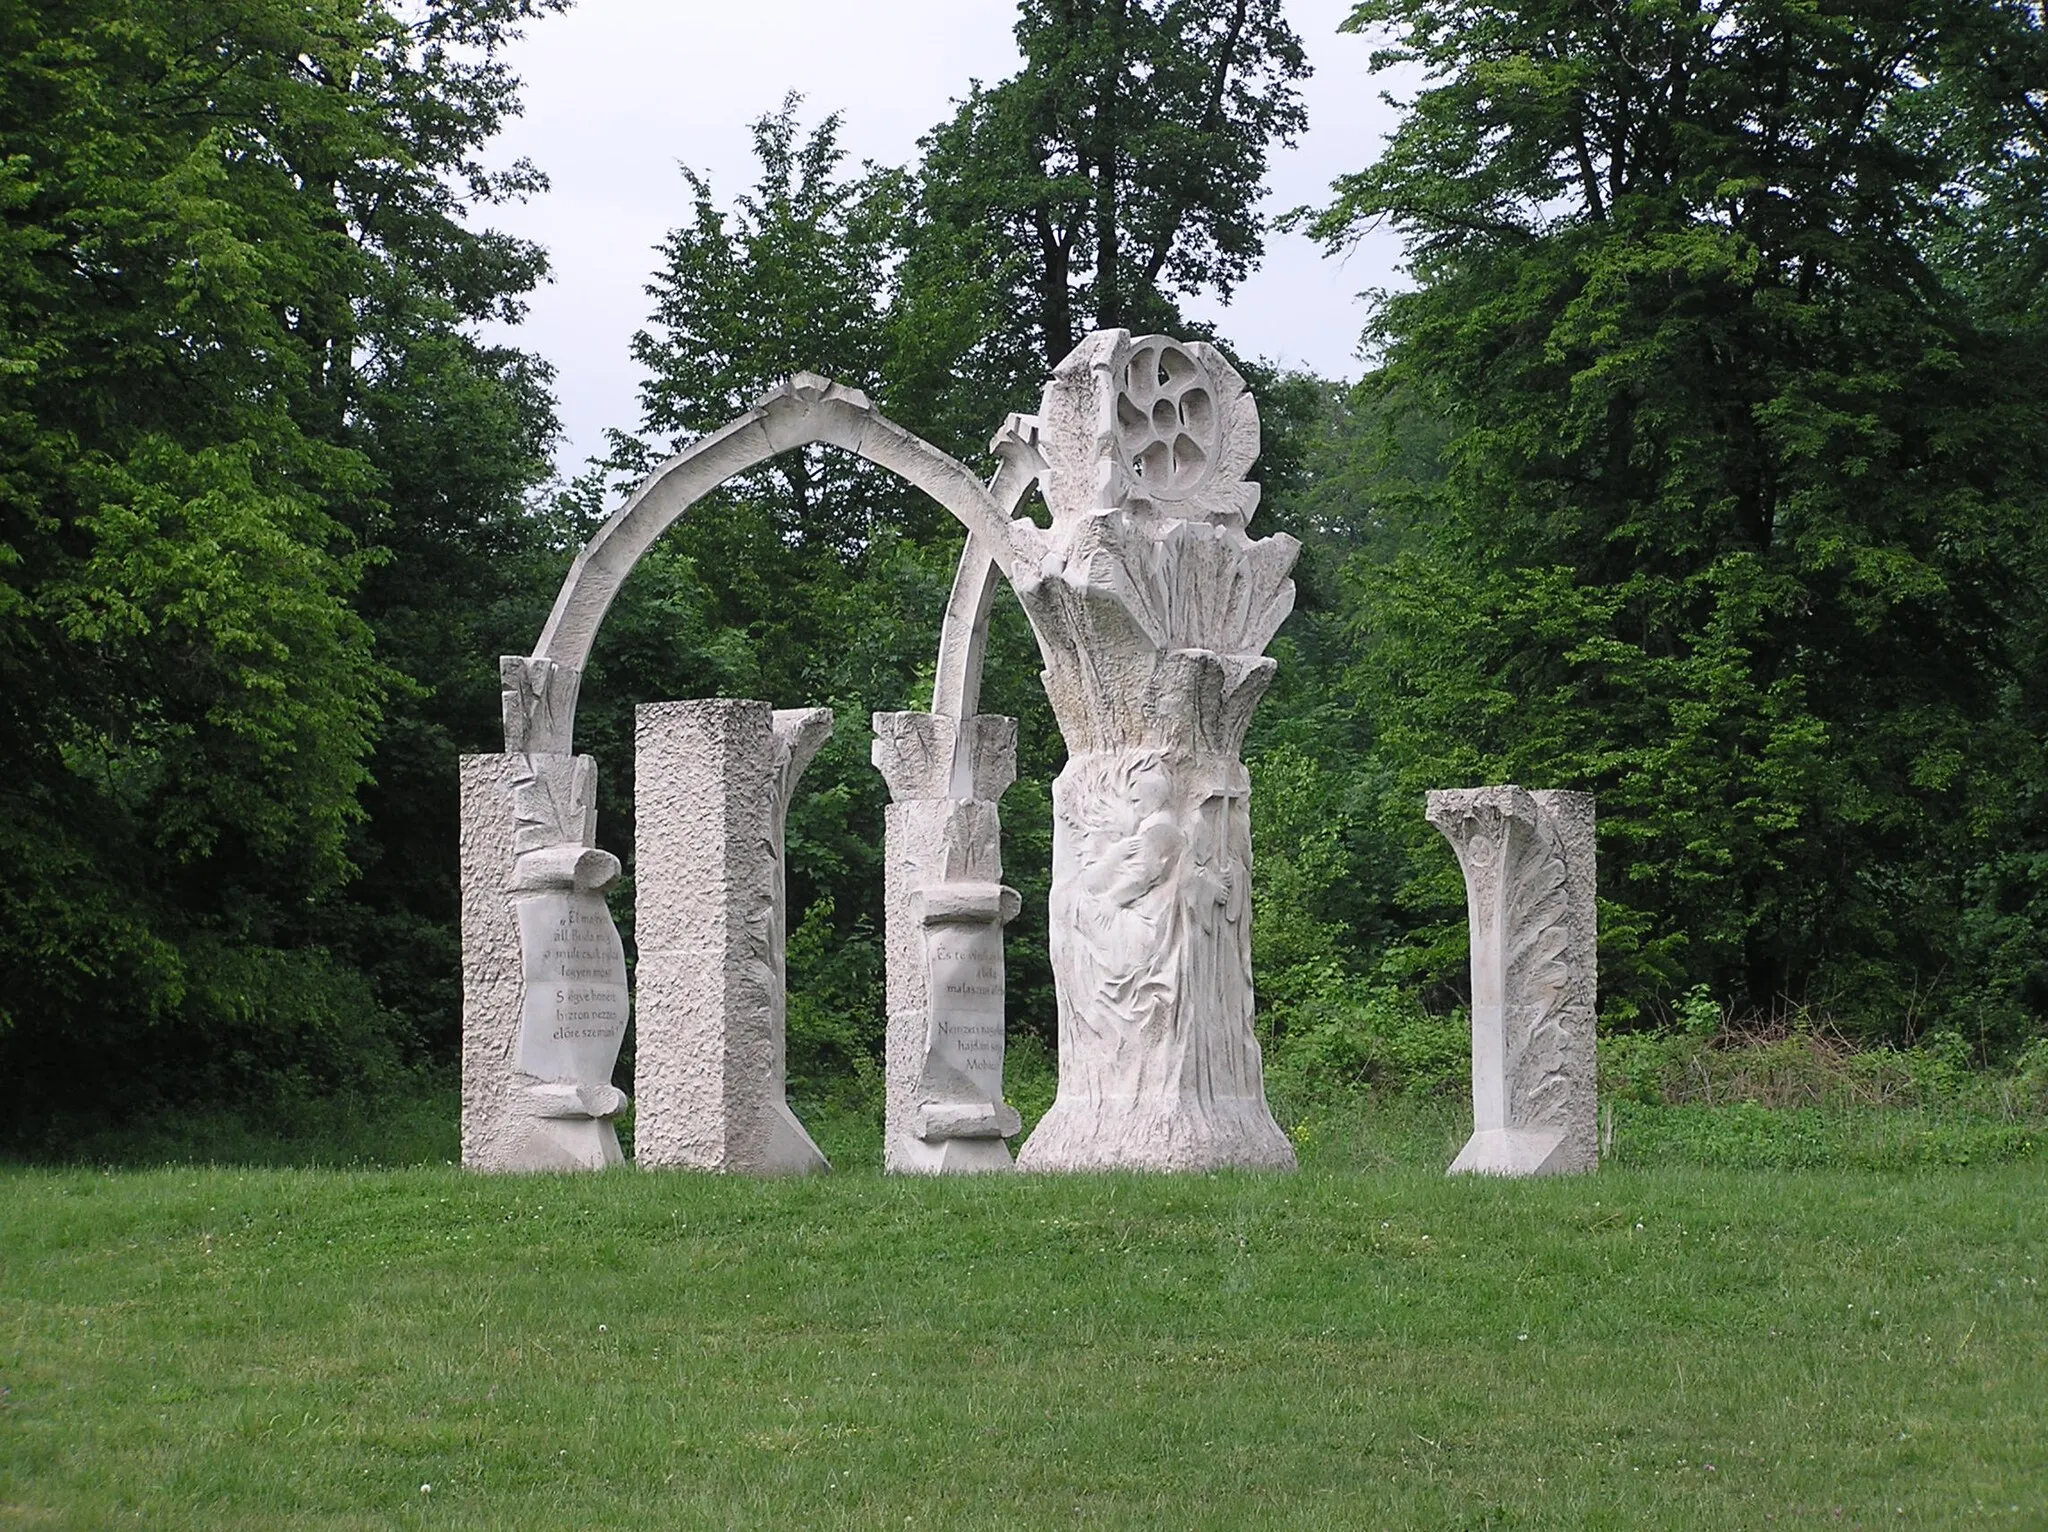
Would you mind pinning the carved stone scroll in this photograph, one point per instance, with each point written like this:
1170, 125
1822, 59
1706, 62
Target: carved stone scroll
946, 906
1153, 608
543, 972
713, 781
1528, 859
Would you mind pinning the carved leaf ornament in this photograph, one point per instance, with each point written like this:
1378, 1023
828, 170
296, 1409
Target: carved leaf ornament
1534, 938
1516, 878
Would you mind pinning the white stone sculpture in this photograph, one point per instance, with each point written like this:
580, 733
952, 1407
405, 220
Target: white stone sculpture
946, 906
1152, 608
712, 784
1529, 869
511, 1121
543, 972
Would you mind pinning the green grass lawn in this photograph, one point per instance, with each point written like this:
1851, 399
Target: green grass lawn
1680, 1347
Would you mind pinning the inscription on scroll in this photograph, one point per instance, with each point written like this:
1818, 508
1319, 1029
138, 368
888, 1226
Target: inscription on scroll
966, 1030
575, 970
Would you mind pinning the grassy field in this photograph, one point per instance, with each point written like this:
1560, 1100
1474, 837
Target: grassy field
1676, 1347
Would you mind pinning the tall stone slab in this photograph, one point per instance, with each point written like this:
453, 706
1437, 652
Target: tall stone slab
1528, 859
1153, 608
712, 784
946, 907
543, 973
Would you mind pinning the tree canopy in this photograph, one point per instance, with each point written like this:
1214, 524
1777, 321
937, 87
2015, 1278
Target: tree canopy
236, 274
1740, 514
1701, 464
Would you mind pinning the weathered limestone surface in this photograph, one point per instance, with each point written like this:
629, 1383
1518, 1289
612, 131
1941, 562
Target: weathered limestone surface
712, 784
1529, 869
1153, 608
946, 906
543, 972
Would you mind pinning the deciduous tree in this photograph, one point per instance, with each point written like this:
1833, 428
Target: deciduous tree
1722, 302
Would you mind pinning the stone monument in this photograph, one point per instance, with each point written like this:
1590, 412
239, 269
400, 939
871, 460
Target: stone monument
1152, 607
543, 971
712, 784
1528, 860
945, 906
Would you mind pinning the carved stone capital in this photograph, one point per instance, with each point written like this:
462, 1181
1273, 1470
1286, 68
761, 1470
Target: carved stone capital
538, 699
1152, 608
1017, 444
928, 755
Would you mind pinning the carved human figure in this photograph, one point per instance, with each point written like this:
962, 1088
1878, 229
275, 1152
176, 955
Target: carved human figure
1152, 608
1528, 860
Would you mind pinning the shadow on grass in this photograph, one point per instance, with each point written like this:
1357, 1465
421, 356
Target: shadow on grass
417, 1128
1352, 1134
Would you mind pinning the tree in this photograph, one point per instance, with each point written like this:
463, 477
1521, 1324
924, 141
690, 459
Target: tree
1741, 524
229, 226
1119, 169
795, 278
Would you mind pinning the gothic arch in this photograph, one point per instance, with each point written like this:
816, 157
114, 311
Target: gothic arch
540, 689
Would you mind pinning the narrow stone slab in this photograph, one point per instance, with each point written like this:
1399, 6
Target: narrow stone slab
1528, 859
713, 780
543, 971
945, 910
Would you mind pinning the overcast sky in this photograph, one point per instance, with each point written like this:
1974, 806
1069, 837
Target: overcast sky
619, 92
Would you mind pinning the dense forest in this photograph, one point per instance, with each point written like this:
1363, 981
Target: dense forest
1702, 465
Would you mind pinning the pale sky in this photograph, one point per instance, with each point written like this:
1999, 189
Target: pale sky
619, 92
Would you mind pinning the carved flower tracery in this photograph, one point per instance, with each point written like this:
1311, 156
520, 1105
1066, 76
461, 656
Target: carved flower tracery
1167, 421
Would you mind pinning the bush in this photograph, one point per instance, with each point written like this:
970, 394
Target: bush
1363, 1034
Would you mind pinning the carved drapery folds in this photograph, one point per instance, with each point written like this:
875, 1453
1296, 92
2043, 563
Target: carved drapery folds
1152, 607
1528, 860
946, 907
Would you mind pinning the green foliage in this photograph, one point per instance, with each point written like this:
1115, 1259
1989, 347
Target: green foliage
1704, 470
1121, 167
1738, 517
229, 227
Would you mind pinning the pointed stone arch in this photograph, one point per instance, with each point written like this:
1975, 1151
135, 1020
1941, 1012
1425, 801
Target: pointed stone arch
540, 689
1152, 606
529, 824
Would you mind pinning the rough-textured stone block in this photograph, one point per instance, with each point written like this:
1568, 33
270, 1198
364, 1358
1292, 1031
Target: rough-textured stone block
712, 783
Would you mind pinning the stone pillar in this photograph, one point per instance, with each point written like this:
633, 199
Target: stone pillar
946, 907
1529, 894
1153, 608
543, 972
712, 784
